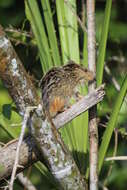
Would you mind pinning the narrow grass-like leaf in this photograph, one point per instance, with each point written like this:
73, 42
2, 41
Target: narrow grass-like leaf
68, 132
85, 117
72, 30
62, 30
34, 16
103, 42
6, 125
112, 123
85, 51
77, 132
51, 32
73, 46
46, 173
7, 110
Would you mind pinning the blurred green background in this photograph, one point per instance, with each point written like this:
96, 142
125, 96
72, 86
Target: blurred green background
13, 19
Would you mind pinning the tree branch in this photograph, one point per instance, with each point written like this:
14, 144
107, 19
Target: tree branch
25, 182
28, 145
16, 162
59, 161
79, 107
28, 156
93, 131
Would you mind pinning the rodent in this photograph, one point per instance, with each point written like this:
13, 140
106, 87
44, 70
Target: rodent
59, 85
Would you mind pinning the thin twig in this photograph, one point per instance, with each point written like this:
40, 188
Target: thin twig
26, 117
107, 70
28, 156
114, 154
113, 79
93, 132
25, 182
77, 17
5, 187
120, 131
19, 32
28, 175
116, 158
102, 186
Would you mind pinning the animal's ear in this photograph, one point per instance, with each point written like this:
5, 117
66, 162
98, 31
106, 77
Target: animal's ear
85, 69
70, 62
82, 65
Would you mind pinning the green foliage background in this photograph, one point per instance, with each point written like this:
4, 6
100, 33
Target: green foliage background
55, 38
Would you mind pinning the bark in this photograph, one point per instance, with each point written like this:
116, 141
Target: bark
27, 152
93, 131
28, 156
59, 161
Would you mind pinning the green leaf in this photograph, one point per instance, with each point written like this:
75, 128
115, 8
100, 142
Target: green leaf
60, 10
112, 123
34, 16
72, 30
7, 3
103, 42
7, 111
51, 32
